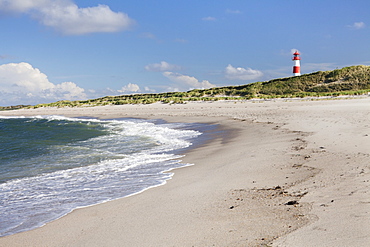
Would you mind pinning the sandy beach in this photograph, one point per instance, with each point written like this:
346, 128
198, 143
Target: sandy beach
276, 173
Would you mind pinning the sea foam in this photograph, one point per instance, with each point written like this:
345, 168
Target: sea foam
113, 159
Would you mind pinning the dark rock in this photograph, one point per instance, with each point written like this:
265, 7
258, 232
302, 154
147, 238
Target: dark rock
292, 203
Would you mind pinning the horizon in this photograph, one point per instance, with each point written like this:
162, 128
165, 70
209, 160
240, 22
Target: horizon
73, 50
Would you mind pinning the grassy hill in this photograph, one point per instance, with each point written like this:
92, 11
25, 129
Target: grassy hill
354, 80
15, 107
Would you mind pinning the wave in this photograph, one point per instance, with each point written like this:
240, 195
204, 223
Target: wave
131, 156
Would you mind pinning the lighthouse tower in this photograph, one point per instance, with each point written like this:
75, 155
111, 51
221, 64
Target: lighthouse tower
297, 64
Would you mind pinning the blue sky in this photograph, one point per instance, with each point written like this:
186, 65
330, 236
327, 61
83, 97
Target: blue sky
72, 49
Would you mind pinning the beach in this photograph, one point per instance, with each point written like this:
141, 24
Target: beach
286, 172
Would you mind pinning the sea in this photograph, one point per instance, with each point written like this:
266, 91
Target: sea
51, 165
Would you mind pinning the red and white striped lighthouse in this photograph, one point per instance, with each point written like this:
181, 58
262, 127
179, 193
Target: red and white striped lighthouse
297, 64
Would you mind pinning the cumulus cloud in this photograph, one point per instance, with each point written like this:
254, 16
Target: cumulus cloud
129, 88
67, 90
66, 17
20, 82
188, 80
22, 77
162, 66
357, 25
233, 73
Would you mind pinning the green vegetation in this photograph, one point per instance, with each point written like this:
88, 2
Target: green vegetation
354, 80
5, 108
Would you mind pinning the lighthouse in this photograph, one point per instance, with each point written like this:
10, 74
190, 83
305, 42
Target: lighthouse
297, 64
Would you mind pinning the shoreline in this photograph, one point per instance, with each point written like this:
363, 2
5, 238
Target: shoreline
166, 172
238, 192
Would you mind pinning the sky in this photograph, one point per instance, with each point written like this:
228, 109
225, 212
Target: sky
54, 50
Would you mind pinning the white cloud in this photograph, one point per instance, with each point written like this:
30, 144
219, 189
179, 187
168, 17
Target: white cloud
209, 18
21, 6
147, 89
22, 77
357, 25
66, 17
129, 88
21, 83
72, 20
188, 80
68, 90
162, 66
233, 73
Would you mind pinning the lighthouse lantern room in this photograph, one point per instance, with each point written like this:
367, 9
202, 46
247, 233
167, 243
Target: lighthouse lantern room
297, 64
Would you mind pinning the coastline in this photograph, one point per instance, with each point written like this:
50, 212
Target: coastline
313, 154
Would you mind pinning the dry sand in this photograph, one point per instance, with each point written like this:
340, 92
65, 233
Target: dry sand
265, 155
